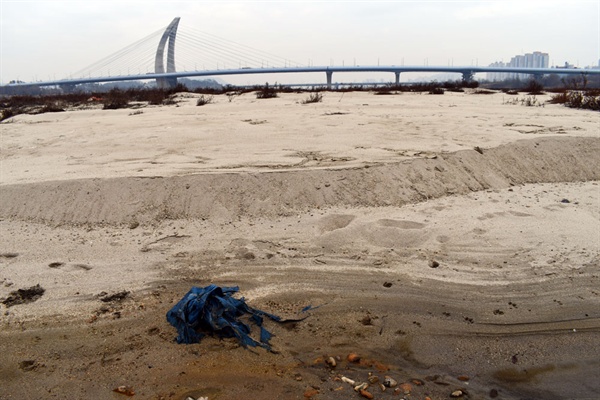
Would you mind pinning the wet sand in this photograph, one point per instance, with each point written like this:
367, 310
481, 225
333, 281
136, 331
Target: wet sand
345, 205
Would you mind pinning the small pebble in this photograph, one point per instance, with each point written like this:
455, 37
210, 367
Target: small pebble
389, 382
373, 379
463, 378
348, 380
331, 362
457, 393
126, 390
361, 386
433, 264
406, 388
366, 394
353, 357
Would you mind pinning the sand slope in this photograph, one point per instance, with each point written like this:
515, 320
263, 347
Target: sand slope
146, 200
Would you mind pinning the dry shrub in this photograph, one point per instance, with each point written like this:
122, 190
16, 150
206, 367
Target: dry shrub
483, 91
559, 98
266, 92
6, 113
153, 96
116, 99
585, 100
53, 107
436, 90
203, 100
529, 101
313, 98
534, 87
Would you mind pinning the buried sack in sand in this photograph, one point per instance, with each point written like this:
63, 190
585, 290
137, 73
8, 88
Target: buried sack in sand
213, 310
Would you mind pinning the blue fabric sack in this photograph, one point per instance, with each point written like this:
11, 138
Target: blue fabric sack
213, 310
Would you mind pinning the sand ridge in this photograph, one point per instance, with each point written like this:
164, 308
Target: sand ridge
147, 200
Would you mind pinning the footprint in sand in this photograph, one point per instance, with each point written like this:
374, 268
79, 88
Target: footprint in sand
245, 249
9, 255
520, 214
164, 243
491, 215
333, 222
443, 238
337, 231
393, 223
71, 267
395, 233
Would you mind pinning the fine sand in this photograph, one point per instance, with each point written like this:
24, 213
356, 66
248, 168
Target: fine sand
453, 242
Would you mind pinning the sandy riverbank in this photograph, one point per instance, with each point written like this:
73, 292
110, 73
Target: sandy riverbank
343, 204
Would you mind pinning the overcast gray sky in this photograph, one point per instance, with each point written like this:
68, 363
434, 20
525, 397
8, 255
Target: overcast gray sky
46, 39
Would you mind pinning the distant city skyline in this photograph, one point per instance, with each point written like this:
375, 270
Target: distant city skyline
43, 40
537, 59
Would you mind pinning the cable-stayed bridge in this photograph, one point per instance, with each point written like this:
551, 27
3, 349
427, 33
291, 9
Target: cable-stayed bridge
200, 54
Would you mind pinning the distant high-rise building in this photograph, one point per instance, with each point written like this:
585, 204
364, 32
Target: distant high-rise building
530, 60
496, 76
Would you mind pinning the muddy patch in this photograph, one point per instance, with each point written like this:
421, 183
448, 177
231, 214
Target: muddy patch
119, 296
24, 296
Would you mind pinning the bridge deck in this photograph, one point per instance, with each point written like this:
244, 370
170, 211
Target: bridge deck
464, 71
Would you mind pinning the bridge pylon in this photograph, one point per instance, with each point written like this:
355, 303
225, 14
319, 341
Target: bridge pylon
467, 76
159, 62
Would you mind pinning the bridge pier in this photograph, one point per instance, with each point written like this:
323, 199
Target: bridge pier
397, 78
329, 78
537, 77
467, 76
68, 88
